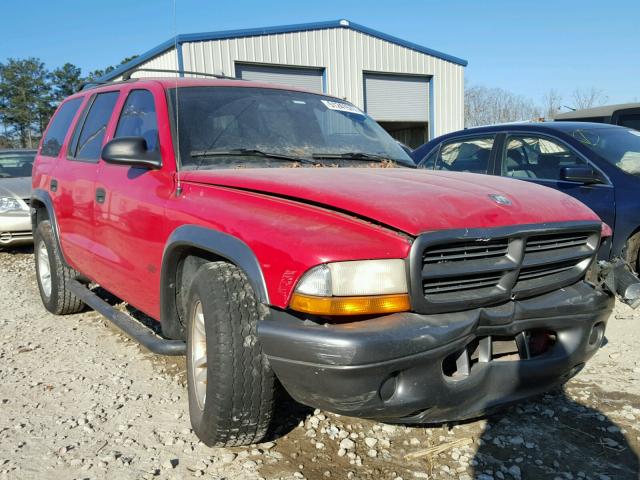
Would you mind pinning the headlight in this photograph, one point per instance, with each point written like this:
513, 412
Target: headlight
353, 288
9, 204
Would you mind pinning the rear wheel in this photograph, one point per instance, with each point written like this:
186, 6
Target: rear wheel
52, 274
231, 386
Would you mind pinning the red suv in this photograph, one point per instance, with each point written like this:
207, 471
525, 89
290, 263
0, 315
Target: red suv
282, 236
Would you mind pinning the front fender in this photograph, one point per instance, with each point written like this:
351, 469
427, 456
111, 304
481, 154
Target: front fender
219, 244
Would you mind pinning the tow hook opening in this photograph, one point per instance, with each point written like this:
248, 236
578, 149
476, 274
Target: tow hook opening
524, 346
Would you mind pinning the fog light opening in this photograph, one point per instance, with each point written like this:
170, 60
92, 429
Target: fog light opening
597, 334
388, 387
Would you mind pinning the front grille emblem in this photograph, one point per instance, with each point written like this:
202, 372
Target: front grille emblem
499, 199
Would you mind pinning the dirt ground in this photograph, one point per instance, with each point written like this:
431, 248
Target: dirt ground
79, 400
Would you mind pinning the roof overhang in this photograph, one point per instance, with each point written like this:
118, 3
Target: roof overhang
254, 32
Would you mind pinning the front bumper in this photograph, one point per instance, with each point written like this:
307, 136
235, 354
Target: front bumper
15, 229
392, 367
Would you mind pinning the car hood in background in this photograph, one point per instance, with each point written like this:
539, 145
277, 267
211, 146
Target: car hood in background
15, 187
413, 201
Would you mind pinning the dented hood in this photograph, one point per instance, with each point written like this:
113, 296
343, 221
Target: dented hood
413, 201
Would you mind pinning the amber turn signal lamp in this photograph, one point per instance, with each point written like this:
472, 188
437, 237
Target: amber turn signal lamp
365, 305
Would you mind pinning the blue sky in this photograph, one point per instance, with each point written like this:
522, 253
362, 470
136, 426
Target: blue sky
525, 47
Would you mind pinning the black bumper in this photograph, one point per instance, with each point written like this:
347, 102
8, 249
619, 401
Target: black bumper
391, 367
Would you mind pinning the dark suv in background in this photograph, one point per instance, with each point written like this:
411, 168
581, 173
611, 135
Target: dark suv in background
624, 115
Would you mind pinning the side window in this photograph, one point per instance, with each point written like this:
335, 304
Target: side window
88, 137
469, 155
138, 118
630, 120
429, 161
537, 157
54, 138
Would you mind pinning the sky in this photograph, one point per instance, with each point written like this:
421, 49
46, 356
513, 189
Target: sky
526, 47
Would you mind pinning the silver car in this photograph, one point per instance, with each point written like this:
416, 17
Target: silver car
15, 191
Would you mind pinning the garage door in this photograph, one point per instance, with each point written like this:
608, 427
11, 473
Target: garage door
307, 78
396, 98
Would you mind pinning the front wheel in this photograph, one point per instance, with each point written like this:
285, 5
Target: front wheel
52, 274
230, 384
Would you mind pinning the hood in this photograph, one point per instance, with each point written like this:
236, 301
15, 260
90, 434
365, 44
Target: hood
413, 201
19, 187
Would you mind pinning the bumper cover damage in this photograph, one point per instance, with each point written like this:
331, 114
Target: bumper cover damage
434, 368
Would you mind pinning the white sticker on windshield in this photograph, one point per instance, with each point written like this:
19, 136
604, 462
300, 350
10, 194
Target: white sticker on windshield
342, 107
299, 102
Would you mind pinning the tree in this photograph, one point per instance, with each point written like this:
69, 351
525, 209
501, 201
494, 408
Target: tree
551, 104
65, 80
486, 106
96, 74
588, 97
24, 98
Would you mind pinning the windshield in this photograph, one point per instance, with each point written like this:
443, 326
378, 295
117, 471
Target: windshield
618, 146
230, 127
16, 164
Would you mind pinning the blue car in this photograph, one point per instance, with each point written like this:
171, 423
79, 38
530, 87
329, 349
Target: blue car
596, 163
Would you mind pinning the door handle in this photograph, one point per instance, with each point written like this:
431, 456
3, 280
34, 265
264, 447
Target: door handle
53, 185
100, 195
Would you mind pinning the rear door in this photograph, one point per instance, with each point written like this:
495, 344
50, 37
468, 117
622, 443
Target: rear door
129, 211
539, 158
75, 181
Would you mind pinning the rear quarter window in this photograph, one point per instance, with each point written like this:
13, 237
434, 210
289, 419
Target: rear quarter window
58, 127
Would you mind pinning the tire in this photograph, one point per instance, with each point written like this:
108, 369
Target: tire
238, 400
53, 284
632, 250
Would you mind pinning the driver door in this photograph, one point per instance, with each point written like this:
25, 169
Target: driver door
540, 159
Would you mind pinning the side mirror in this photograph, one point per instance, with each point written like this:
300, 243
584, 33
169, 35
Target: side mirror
131, 151
586, 175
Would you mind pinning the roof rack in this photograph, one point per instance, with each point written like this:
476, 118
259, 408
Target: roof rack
127, 75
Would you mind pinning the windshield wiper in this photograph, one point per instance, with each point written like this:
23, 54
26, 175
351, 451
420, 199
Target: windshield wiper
358, 156
241, 152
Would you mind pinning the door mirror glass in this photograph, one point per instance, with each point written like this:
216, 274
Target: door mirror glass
586, 175
131, 151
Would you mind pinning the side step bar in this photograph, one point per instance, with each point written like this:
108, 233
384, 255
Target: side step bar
134, 329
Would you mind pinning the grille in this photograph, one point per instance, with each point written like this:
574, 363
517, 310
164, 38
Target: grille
540, 243
458, 284
461, 270
465, 251
27, 201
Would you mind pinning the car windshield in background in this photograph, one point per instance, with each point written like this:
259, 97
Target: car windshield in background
227, 127
618, 146
16, 164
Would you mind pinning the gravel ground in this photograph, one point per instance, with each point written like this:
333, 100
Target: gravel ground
79, 400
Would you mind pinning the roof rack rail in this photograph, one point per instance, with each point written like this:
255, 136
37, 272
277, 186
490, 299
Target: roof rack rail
127, 75
91, 84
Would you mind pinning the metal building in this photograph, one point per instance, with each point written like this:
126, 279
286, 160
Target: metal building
416, 93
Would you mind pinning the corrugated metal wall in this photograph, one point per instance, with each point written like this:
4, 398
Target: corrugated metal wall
344, 54
166, 61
